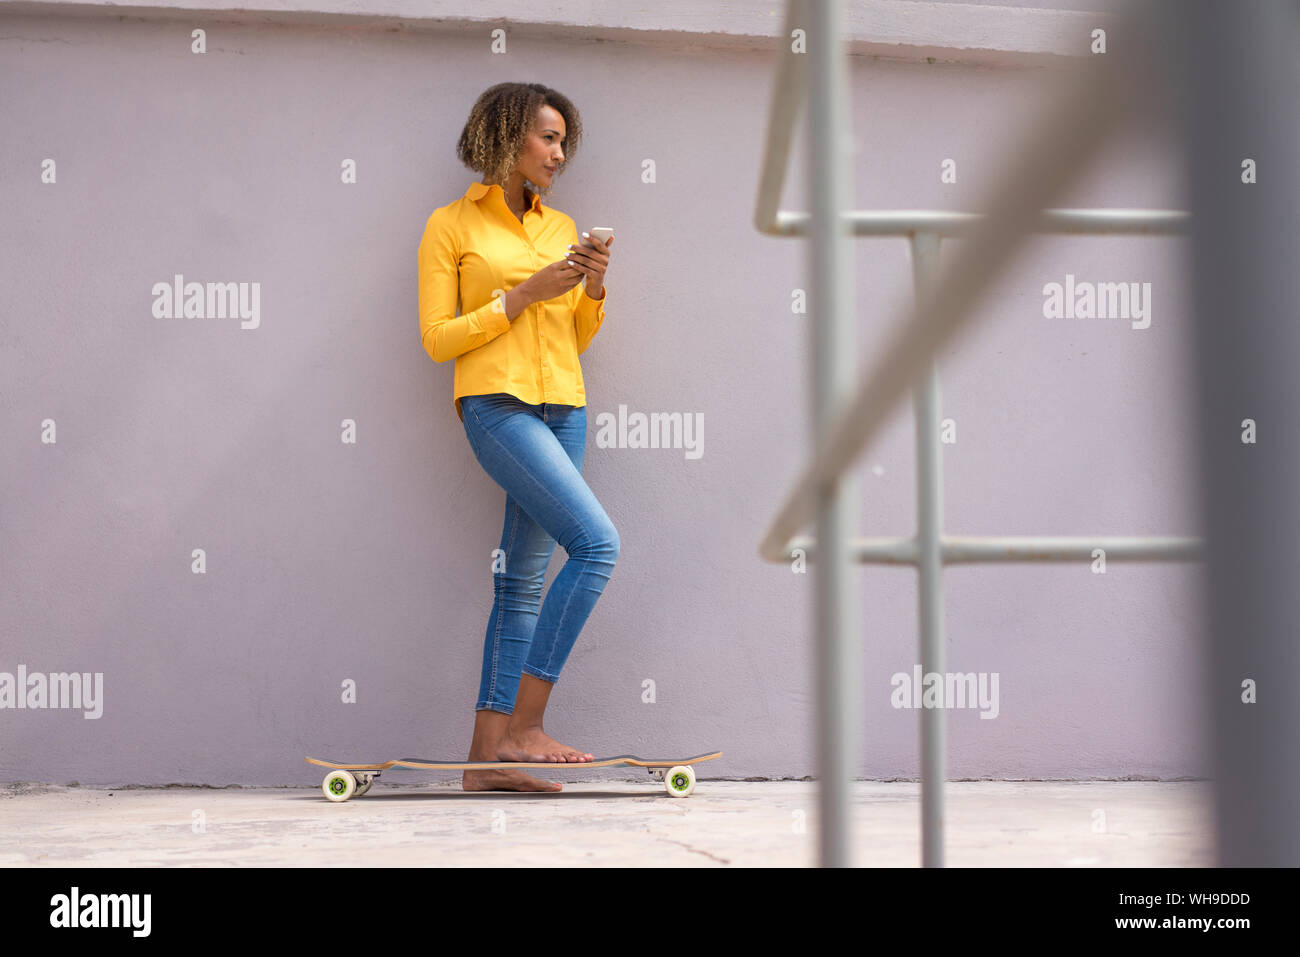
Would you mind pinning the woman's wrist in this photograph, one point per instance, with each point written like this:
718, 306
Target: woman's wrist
523, 293
516, 301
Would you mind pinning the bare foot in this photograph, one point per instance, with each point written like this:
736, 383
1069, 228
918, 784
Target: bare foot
535, 744
505, 779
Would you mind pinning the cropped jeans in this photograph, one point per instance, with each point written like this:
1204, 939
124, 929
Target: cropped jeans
535, 453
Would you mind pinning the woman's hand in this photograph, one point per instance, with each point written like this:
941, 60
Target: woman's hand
591, 258
553, 279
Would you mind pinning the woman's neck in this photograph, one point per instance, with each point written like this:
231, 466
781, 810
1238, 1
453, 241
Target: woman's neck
523, 208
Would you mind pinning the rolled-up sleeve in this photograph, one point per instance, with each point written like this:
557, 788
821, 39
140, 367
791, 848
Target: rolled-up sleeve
444, 334
588, 314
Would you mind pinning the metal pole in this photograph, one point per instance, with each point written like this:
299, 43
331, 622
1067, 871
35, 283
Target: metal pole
929, 529
834, 347
1234, 72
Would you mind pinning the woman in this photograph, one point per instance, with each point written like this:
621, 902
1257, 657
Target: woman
515, 265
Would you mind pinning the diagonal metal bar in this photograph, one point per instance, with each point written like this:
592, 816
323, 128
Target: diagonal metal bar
1056, 147
788, 94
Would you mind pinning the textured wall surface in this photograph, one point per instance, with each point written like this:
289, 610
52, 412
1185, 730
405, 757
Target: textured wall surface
131, 441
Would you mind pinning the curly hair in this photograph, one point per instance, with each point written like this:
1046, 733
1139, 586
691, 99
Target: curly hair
501, 118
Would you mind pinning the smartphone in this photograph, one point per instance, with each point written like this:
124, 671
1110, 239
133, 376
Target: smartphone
602, 233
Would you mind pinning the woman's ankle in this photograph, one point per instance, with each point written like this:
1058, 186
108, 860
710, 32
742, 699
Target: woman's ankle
489, 729
522, 725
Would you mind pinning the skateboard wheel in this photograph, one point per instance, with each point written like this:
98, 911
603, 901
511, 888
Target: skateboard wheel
339, 785
364, 784
680, 780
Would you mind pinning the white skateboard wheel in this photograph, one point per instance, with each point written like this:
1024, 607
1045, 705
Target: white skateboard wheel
680, 781
339, 785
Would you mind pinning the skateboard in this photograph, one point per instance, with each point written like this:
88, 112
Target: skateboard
348, 780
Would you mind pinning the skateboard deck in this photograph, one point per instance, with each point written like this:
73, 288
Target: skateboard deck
347, 780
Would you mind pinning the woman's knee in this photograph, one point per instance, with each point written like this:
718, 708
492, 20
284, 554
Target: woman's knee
614, 542
600, 541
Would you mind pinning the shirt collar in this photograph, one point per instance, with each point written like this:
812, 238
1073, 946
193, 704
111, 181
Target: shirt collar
477, 191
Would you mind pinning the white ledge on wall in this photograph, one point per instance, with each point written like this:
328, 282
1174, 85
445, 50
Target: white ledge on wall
896, 29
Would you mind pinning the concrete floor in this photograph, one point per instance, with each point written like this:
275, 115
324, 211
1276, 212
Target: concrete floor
621, 822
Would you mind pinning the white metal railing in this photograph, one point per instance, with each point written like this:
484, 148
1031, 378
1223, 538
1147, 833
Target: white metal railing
849, 407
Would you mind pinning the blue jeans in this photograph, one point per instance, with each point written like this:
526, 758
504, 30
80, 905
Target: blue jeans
535, 453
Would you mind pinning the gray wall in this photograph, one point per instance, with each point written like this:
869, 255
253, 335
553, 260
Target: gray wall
328, 561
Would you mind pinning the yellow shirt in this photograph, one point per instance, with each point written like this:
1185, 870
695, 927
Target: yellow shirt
474, 249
